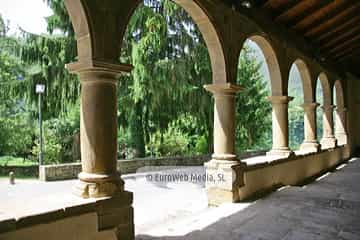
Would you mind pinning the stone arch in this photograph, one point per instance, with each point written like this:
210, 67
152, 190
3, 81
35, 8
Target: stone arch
197, 12
80, 24
305, 75
271, 62
325, 84
99, 33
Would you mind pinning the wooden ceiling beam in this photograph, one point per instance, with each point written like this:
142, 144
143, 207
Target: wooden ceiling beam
345, 51
343, 26
318, 16
286, 6
260, 3
295, 10
344, 45
332, 19
348, 34
350, 53
317, 5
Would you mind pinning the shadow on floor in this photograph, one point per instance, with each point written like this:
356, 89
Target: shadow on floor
325, 209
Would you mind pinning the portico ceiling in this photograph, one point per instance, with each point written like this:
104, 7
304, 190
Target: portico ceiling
330, 27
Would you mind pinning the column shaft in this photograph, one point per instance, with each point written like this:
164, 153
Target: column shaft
328, 140
98, 128
340, 130
310, 142
224, 160
280, 124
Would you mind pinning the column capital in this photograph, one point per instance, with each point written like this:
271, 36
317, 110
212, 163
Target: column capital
310, 106
89, 66
280, 99
223, 89
328, 107
341, 109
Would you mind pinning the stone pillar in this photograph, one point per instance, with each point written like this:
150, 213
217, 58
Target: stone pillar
310, 143
98, 129
340, 130
280, 125
98, 133
224, 168
328, 140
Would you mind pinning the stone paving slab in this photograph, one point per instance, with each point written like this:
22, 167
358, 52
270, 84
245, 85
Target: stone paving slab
327, 209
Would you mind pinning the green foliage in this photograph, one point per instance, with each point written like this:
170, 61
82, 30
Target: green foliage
51, 145
47, 56
252, 108
296, 111
58, 138
201, 146
172, 142
16, 136
163, 107
296, 126
171, 64
16, 161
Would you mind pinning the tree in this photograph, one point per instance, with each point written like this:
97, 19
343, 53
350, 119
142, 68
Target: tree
252, 108
171, 64
45, 56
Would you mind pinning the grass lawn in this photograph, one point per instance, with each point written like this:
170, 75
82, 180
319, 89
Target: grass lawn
6, 178
15, 161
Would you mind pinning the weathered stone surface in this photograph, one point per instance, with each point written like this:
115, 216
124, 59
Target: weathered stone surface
71, 170
325, 209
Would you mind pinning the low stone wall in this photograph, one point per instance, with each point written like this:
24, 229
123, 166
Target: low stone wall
291, 171
70, 171
71, 219
20, 171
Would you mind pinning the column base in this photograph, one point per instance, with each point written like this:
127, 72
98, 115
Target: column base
226, 177
311, 146
98, 185
285, 152
341, 139
328, 142
117, 213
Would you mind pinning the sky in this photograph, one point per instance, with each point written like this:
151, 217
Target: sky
28, 14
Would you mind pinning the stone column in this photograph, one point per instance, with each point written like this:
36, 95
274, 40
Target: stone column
224, 168
340, 130
280, 125
98, 129
328, 140
310, 143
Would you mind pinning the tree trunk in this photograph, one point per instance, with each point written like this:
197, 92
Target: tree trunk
137, 131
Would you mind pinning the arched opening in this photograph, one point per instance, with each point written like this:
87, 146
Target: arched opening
268, 55
299, 79
259, 74
209, 34
319, 111
164, 110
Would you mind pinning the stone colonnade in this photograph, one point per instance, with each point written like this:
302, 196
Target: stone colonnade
100, 26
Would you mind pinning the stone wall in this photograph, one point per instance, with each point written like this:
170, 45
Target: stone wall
70, 171
72, 219
20, 171
293, 171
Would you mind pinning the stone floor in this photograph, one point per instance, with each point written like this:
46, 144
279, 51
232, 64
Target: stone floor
326, 209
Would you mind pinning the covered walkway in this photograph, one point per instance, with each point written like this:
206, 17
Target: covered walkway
328, 208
